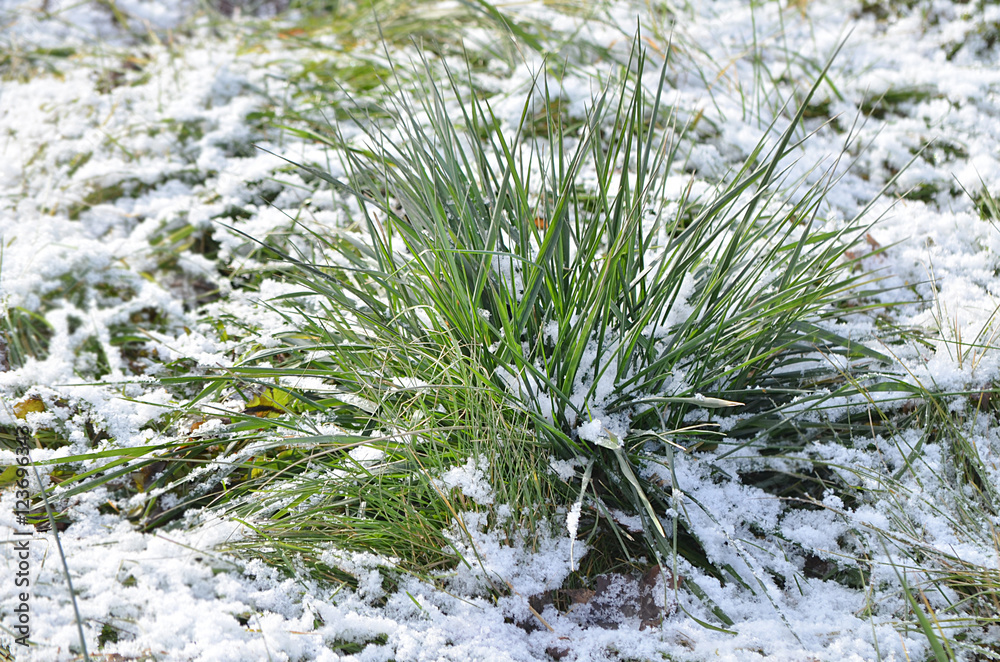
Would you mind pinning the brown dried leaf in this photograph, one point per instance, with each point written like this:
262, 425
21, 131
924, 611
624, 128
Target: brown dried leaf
578, 596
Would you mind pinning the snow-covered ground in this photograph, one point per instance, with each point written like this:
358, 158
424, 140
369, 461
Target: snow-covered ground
128, 129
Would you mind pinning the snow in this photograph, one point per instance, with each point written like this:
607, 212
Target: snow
470, 479
172, 142
591, 430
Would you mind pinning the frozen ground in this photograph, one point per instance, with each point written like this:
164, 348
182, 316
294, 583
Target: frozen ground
127, 130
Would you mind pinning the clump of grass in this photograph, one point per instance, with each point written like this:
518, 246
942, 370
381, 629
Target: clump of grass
497, 309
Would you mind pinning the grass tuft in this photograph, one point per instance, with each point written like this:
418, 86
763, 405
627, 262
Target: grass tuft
516, 295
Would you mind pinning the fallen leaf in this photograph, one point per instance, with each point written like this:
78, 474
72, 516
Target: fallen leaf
25, 407
578, 596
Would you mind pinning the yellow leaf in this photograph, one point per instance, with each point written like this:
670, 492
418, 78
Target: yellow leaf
25, 407
9, 476
270, 404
